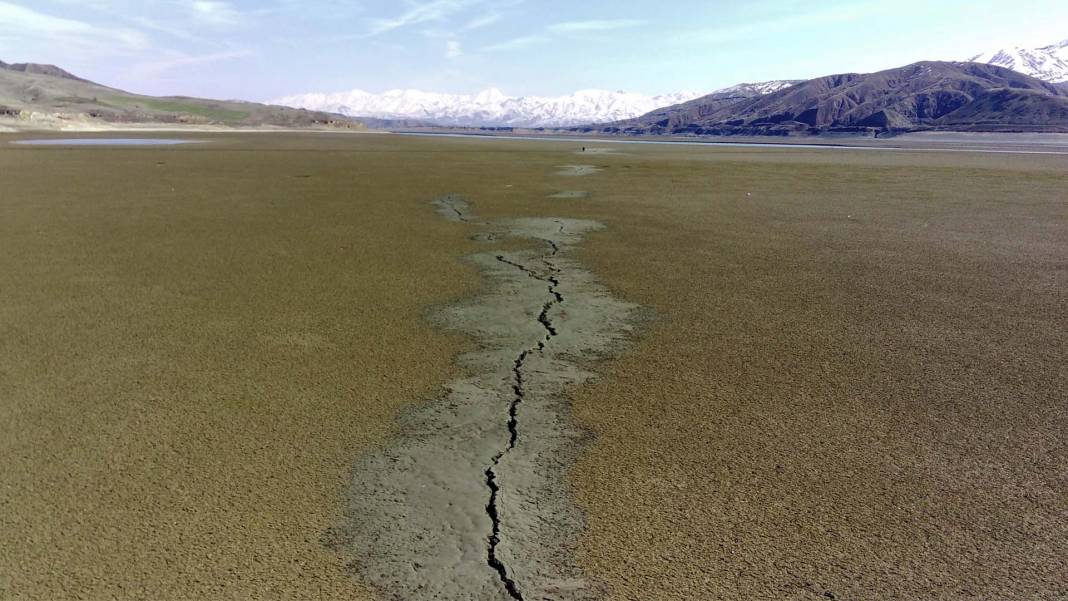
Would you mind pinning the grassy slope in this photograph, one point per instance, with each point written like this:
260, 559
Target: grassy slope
854, 383
213, 113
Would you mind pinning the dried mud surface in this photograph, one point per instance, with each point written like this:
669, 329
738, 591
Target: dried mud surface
578, 170
570, 194
854, 387
472, 500
192, 353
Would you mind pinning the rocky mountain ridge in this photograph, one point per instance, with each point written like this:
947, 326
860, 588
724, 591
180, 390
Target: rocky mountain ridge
925, 95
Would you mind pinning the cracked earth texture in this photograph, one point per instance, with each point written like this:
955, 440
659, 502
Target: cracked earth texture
472, 501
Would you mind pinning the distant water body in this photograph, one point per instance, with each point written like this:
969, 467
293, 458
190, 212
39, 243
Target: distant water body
715, 143
105, 142
664, 142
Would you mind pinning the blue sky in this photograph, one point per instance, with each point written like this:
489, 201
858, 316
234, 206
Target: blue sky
265, 49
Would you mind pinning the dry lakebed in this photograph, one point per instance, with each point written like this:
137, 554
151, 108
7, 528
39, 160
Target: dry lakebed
379, 367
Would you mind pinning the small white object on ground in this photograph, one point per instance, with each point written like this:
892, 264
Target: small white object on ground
577, 170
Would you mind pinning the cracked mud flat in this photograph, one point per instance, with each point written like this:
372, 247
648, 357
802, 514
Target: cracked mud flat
578, 170
472, 500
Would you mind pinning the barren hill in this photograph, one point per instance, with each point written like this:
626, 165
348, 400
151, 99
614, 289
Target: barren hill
35, 96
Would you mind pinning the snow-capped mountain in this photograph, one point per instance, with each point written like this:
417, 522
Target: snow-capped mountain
1049, 63
760, 89
488, 108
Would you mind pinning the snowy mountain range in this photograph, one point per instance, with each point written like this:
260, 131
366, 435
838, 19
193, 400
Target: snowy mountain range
1049, 63
758, 89
492, 108
488, 108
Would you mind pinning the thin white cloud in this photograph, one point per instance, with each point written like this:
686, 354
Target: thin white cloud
827, 16
563, 28
420, 12
116, 12
215, 12
423, 12
483, 21
453, 49
177, 60
590, 26
518, 43
165, 28
20, 23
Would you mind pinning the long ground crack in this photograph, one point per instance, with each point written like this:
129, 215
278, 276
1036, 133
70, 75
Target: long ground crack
408, 522
519, 391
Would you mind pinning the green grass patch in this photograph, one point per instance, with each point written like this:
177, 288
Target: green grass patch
189, 108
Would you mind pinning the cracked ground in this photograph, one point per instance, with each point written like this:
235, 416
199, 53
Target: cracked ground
851, 385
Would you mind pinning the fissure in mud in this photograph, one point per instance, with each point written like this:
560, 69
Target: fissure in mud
471, 500
513, 410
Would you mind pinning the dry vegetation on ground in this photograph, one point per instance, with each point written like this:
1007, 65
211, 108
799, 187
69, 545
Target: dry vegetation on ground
853, 386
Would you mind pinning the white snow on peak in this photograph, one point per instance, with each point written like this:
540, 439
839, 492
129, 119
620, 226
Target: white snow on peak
493, 108
1049, 63
490, 107
760, 89
490, 95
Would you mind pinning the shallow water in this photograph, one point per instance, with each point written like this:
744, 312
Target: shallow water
105, 142
669, 142
719, 142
